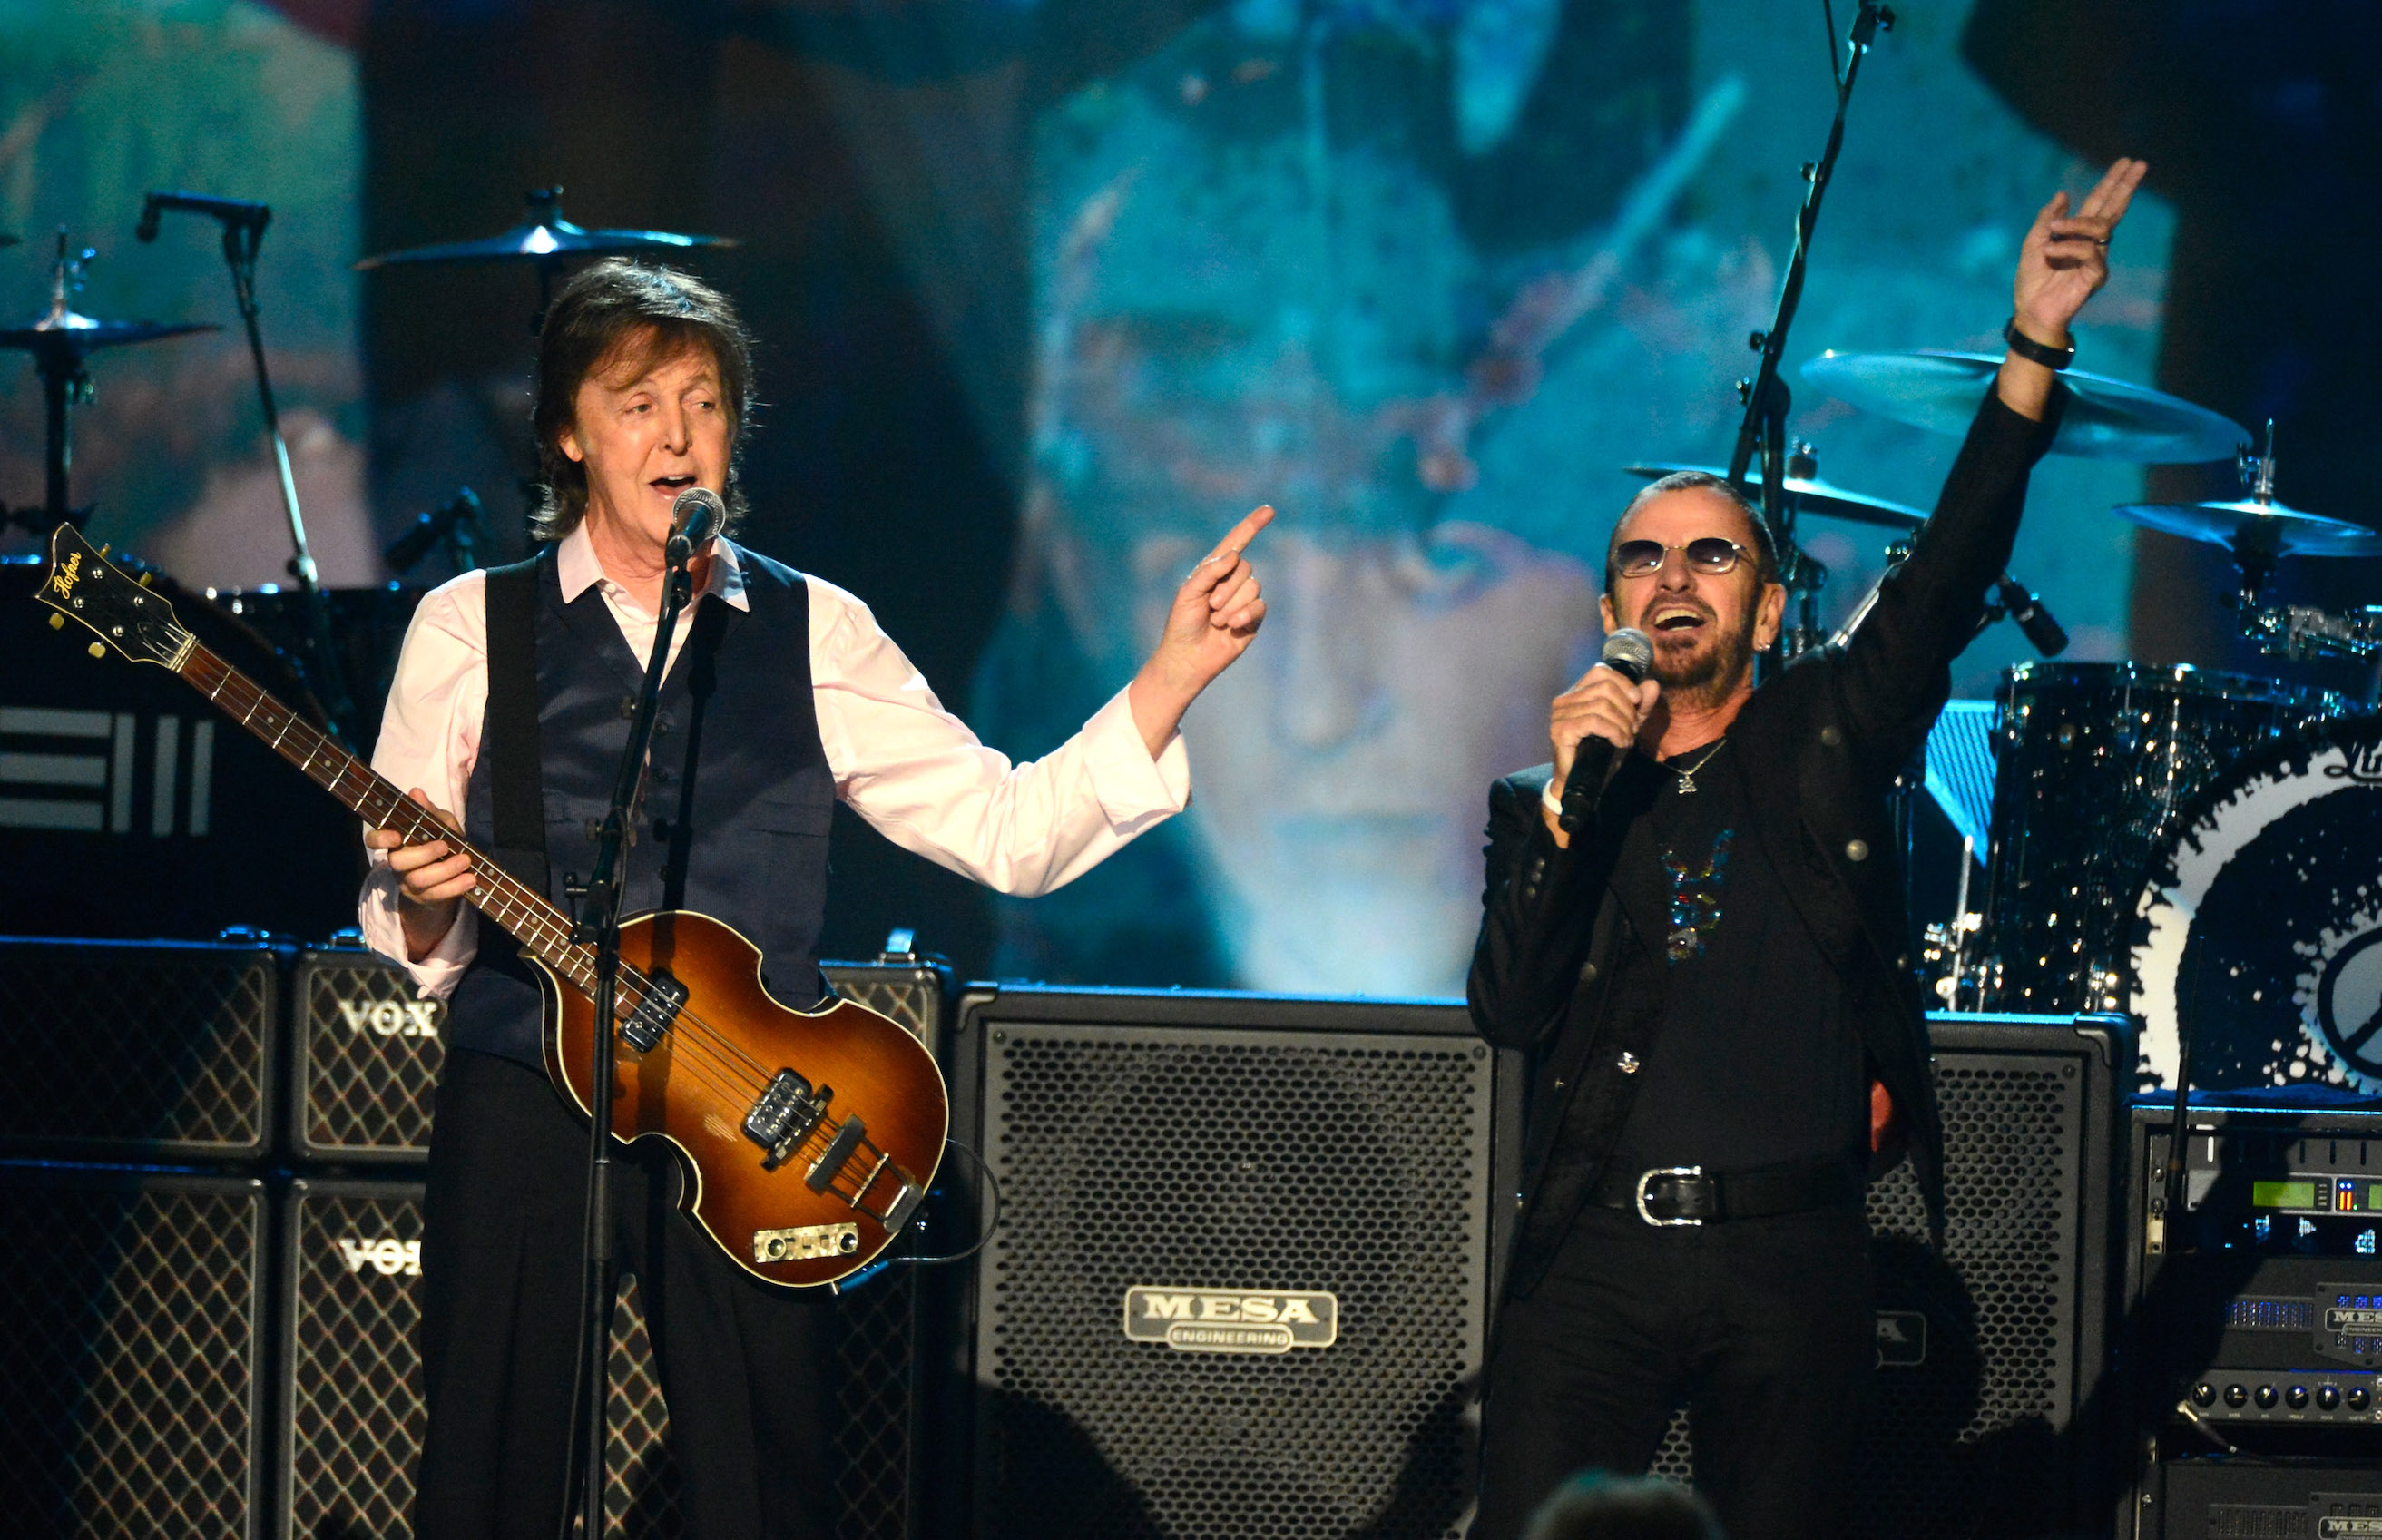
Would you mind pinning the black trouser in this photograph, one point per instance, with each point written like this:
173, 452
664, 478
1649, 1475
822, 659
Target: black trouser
1764, 1328
743, 1365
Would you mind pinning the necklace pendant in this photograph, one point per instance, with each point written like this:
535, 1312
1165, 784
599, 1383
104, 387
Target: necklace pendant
1687, 784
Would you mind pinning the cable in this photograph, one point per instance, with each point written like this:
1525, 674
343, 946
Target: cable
993, 1210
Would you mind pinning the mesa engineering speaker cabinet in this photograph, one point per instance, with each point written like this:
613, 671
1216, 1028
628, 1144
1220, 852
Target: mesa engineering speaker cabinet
1994, 1416
1245, 1253
2239, 1498
138, 1051
131, 1324
351, 1428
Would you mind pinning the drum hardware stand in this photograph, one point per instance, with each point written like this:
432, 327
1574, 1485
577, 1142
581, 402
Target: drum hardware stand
2301, 632
243, 230
599, 924
64, 384
1766, 397
454, 524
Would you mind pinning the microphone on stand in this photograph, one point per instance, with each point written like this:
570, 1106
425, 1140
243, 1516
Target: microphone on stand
2027, 608
695, 517
235, 212
1628, 652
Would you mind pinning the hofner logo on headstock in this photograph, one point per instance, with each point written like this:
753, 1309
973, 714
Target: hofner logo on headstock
66, 576
1235, 1321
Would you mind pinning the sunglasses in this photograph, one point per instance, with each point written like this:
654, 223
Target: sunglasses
1711, 554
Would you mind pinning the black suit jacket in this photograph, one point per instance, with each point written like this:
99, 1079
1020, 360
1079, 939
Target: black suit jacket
1818, 747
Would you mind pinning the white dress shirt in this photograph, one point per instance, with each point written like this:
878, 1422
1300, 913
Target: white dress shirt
913, 769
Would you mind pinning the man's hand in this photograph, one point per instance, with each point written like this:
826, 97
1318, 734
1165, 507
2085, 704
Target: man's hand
1603, 703
432, 879
1215, 616
2063, 262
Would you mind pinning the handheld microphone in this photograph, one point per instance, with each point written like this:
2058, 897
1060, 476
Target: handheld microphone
696, 516
1628, 652
233, 212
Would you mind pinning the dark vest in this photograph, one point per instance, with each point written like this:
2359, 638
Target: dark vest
738, 799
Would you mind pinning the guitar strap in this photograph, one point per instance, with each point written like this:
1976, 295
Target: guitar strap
510, 735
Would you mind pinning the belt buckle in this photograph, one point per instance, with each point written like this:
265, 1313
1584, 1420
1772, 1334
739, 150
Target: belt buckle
1647, 1177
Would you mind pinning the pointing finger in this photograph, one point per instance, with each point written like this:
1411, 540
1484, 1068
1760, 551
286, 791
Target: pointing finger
1243, 533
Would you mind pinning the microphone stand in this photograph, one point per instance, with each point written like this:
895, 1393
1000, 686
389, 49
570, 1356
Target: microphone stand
243, 231
599, 925
1766, 397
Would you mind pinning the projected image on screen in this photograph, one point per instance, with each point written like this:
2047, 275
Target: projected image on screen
1427, 276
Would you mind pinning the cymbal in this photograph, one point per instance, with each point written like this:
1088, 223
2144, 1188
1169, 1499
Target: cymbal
2106, 419
63, 330
1821, 498
547, 238
2260, 529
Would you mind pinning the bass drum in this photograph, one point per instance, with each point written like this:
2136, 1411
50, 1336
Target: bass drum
2096, 764
2261, 922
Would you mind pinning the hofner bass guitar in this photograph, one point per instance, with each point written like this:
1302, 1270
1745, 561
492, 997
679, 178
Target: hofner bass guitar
809, 1137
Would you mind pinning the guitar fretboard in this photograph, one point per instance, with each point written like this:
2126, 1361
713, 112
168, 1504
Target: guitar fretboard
528, 915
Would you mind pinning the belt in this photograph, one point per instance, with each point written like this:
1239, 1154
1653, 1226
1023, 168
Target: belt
1688, 1195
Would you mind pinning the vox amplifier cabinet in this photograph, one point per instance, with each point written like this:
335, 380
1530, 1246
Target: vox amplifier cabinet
138, 1051
130, 1351
2259, 1306
367, 1058
369, 1051
2239, 1498
1994, 1415
1243, 1265
351, 1423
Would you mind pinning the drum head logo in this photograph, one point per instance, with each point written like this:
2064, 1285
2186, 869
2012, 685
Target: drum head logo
2349, 1006
2260, 923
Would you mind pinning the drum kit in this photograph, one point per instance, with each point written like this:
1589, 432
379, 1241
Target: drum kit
2200, 850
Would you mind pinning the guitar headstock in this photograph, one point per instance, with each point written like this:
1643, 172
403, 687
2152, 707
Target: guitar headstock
82, 585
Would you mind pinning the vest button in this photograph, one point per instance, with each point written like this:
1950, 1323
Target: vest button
1587, 973
628, 707
1832, 737
1856, 850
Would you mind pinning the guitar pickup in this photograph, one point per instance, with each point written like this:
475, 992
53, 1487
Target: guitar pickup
655, 1014
839, 1150
784, 1115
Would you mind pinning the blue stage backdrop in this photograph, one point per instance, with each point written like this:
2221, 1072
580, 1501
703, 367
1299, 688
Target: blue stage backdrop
1050, 292
1426, 276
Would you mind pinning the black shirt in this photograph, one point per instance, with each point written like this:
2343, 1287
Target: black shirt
1756, 1061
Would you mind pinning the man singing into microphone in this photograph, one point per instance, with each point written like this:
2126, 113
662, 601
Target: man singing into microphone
782, 696
1708, 969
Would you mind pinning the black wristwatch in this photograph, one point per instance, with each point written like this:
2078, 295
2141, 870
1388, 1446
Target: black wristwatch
2035, 353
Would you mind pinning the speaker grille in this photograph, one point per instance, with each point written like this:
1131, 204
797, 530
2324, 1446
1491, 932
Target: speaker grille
354, 1421
876, 1377
1965, 1442
128, 1353
368, 1057
136, 1051
1244, 1161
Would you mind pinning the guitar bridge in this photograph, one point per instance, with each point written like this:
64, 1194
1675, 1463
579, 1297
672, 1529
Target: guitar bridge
784, 1115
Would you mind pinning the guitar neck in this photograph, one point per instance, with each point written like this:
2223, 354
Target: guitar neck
521, 910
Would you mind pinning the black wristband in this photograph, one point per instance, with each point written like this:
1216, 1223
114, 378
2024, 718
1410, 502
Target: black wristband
2035, 353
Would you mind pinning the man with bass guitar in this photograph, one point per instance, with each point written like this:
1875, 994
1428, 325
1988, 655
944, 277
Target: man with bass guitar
782, 696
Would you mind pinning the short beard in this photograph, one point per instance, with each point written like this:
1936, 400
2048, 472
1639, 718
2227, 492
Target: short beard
1712, 679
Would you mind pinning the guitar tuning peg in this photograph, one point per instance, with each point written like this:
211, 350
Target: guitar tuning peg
103, 550
96, 650
57, 622
145, 578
